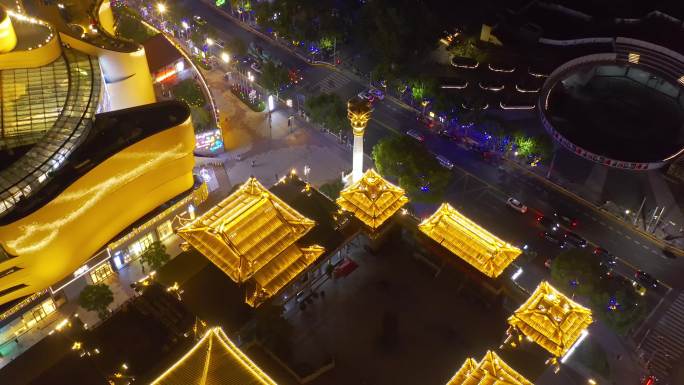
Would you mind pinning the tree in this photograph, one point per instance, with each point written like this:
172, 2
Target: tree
237, 46
610, 296
201, 119
190, 92
273, 77
155, 256
578, 269
328, 110
414, 166
332, 189
272, 329
96, 298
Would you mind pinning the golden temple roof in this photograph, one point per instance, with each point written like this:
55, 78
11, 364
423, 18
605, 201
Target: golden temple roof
551, 319
214, 360
492, 370
252, 234
372, 199
469, 241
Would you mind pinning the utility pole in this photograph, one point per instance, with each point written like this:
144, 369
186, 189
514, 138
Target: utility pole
655, 225
334, 50
636, 217
553, 161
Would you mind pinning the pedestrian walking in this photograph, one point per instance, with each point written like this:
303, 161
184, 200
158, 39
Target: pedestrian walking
253, 163
276, 177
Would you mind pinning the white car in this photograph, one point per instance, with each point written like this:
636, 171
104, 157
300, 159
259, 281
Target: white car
444, 162
415, 135
516, 205
256, 67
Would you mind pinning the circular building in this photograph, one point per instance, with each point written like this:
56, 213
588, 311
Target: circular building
622, 109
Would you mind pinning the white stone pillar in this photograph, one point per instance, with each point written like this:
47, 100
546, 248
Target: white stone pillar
357, 160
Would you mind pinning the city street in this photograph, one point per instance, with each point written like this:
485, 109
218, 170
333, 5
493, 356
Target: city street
389, 117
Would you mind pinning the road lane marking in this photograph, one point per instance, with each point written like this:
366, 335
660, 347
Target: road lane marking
637, 242
627, 236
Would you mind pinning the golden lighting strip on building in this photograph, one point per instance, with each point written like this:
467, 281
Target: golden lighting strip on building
196, 197
26, 301
372, 199
492, 370
469, 241
251, 235
550, 319
214, 360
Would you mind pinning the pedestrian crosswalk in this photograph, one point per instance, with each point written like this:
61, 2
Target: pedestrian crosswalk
332, 82
664, 345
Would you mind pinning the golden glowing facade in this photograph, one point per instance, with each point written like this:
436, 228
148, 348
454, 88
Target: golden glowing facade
214, 360
492, 370
56, 239
372, 199
251, 235
551, 319
469, 241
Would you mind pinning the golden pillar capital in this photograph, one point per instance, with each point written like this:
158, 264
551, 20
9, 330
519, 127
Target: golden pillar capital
358, 112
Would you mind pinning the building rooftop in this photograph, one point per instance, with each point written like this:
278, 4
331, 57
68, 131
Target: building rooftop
160, 52
214, 360
252, 235
551, 319
112, 132
491, 370
469, 241
372, 199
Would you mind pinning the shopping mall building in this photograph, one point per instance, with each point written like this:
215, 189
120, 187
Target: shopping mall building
92, 168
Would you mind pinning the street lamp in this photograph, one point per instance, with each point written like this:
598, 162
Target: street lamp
161, 8
185, 24
210, 41
225, 57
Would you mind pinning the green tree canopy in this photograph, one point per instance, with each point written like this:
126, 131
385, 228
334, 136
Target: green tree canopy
155, 256
417, 170
190, 92
96, 298
273, 77
328, 110
201, 119
579, 272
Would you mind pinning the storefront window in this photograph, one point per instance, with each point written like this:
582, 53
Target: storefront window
136, 248
101, 272
39, 313
164, 230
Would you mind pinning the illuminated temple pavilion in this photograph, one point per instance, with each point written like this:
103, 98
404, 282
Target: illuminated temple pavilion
492, 370
466, 239
551, 319
372, 199
252, 237
214, 360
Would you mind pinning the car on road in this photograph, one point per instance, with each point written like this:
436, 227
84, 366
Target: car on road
415, 135
198, 20
638, 288
565, 218
548, 223
378, 94
516, 205
295, 75
444, 162
256, 67
574, 239
646, 279
605, 257
554, 238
